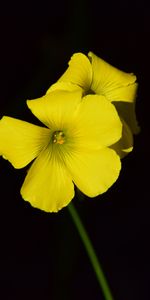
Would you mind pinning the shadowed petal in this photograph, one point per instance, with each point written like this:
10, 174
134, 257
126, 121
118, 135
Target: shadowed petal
20, 141
116, 85
93, 173
48, 185
125, 144
127, 112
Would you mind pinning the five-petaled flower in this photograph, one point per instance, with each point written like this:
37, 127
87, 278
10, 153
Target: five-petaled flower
74, 148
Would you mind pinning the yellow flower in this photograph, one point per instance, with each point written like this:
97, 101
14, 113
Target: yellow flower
73, 148
94, 75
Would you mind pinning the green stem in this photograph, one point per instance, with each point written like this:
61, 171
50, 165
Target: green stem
91, 253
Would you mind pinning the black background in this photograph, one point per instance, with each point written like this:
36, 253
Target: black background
41, 255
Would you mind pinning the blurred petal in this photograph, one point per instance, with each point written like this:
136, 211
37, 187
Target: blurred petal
48, 186
98, 123
79, 71
64, 86
109, 81
20, 141
55, 109
125, 144
127, 112
93, 173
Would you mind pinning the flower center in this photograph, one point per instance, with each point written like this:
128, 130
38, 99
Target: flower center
58, 137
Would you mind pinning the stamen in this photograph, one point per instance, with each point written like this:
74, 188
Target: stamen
58, 137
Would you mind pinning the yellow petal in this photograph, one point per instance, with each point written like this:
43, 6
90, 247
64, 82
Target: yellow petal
20, 141
64, 86
79, 71
48, 186
98, 123
56, 108
127, 112
125, 144
116, 85
93, 173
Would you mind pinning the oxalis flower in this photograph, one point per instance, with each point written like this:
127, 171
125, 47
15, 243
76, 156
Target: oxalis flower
95, 76
73, 148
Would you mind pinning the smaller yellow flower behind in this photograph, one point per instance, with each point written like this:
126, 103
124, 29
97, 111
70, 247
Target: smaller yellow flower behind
74, 147
95, 76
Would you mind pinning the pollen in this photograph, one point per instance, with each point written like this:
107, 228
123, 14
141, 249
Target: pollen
58, 137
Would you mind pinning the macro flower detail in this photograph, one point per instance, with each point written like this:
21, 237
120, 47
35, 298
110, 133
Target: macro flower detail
95, 76
74, 147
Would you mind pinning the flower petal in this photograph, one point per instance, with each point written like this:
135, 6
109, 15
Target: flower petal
79, 71
93, 173
48, 185
20, 141
98, 123
63, 86
56, 108
125, 144
116, 85
127, 112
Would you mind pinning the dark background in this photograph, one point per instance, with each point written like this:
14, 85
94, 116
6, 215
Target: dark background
41, 255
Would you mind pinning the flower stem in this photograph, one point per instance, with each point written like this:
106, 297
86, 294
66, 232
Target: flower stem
91, 253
